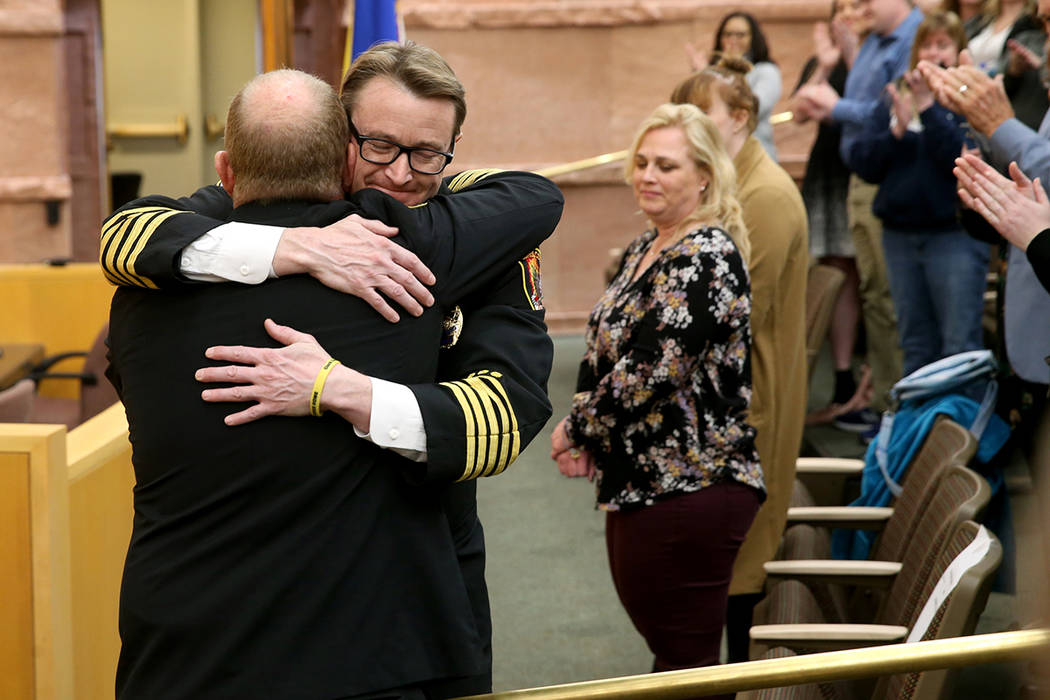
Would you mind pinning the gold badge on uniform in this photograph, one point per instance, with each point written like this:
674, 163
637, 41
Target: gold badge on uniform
451, 327
530, 271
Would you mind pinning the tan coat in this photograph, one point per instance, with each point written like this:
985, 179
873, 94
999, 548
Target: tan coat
776, 220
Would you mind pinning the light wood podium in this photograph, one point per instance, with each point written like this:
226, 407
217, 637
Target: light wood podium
65, 523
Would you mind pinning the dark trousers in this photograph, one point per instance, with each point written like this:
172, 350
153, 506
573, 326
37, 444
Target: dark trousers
671, 564
461, 508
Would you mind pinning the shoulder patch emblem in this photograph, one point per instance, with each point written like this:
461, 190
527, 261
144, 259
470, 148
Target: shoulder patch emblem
452, 327
530, 274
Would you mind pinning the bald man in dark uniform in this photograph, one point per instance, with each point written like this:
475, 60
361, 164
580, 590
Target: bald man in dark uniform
287, 557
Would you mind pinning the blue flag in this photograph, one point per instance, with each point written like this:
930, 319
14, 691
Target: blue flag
374, 21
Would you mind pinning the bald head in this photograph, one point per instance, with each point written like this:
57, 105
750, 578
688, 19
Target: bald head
286, 138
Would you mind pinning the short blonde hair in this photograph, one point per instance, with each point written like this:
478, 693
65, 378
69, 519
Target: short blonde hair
719, 204
286, 137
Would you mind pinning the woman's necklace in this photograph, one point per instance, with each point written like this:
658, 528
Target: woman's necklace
656, 249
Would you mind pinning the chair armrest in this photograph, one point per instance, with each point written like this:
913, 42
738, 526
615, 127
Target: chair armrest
42, 370
879, 574
856, 517
829, 465
85, 378
827, 637
48, 362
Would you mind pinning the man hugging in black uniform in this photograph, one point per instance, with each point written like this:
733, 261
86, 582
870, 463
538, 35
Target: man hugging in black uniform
289, 558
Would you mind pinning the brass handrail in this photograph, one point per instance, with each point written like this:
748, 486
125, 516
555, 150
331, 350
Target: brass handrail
179, 130
798, 670
576, 165
586, 163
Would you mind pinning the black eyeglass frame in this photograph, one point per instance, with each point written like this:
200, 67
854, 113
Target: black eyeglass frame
408, 150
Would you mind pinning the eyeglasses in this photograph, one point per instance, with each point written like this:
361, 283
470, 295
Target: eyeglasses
425, 161
734, 35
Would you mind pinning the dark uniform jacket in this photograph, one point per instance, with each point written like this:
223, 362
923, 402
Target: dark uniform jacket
492, 399
287, 558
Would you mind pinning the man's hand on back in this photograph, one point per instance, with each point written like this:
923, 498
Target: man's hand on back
281, 380
355, 256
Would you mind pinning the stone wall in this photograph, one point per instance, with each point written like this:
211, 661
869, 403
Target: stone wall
34, 172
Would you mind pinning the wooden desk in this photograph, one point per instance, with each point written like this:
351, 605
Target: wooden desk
16, 359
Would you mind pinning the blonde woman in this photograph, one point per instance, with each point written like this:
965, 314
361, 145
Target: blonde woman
663, 390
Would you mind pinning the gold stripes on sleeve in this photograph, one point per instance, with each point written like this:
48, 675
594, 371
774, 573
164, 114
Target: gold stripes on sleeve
493, 440
124, 238
469, 177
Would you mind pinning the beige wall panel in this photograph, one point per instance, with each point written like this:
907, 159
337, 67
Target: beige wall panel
229, 58
152, 54
61, 307
16, 579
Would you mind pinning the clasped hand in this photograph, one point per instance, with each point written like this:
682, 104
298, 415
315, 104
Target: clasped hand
571, 460
355, 256
280, 380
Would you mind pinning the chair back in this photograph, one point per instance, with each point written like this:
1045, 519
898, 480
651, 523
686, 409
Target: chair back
810, 691
822, 289
16, 402
96, 392
956, 616
962, 494
947, 443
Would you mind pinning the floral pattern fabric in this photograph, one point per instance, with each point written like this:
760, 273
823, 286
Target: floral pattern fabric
665, 383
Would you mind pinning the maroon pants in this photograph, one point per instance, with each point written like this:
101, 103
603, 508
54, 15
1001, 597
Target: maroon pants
671, 564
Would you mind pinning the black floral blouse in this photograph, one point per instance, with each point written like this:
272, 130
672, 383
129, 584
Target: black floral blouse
665, 383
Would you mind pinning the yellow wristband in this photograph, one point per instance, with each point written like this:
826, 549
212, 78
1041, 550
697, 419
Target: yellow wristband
322, 375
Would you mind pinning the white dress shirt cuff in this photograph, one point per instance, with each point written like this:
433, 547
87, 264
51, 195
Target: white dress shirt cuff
233, 252
397, 422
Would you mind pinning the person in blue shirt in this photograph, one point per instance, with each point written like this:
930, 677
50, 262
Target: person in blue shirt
908, 146
881, 59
